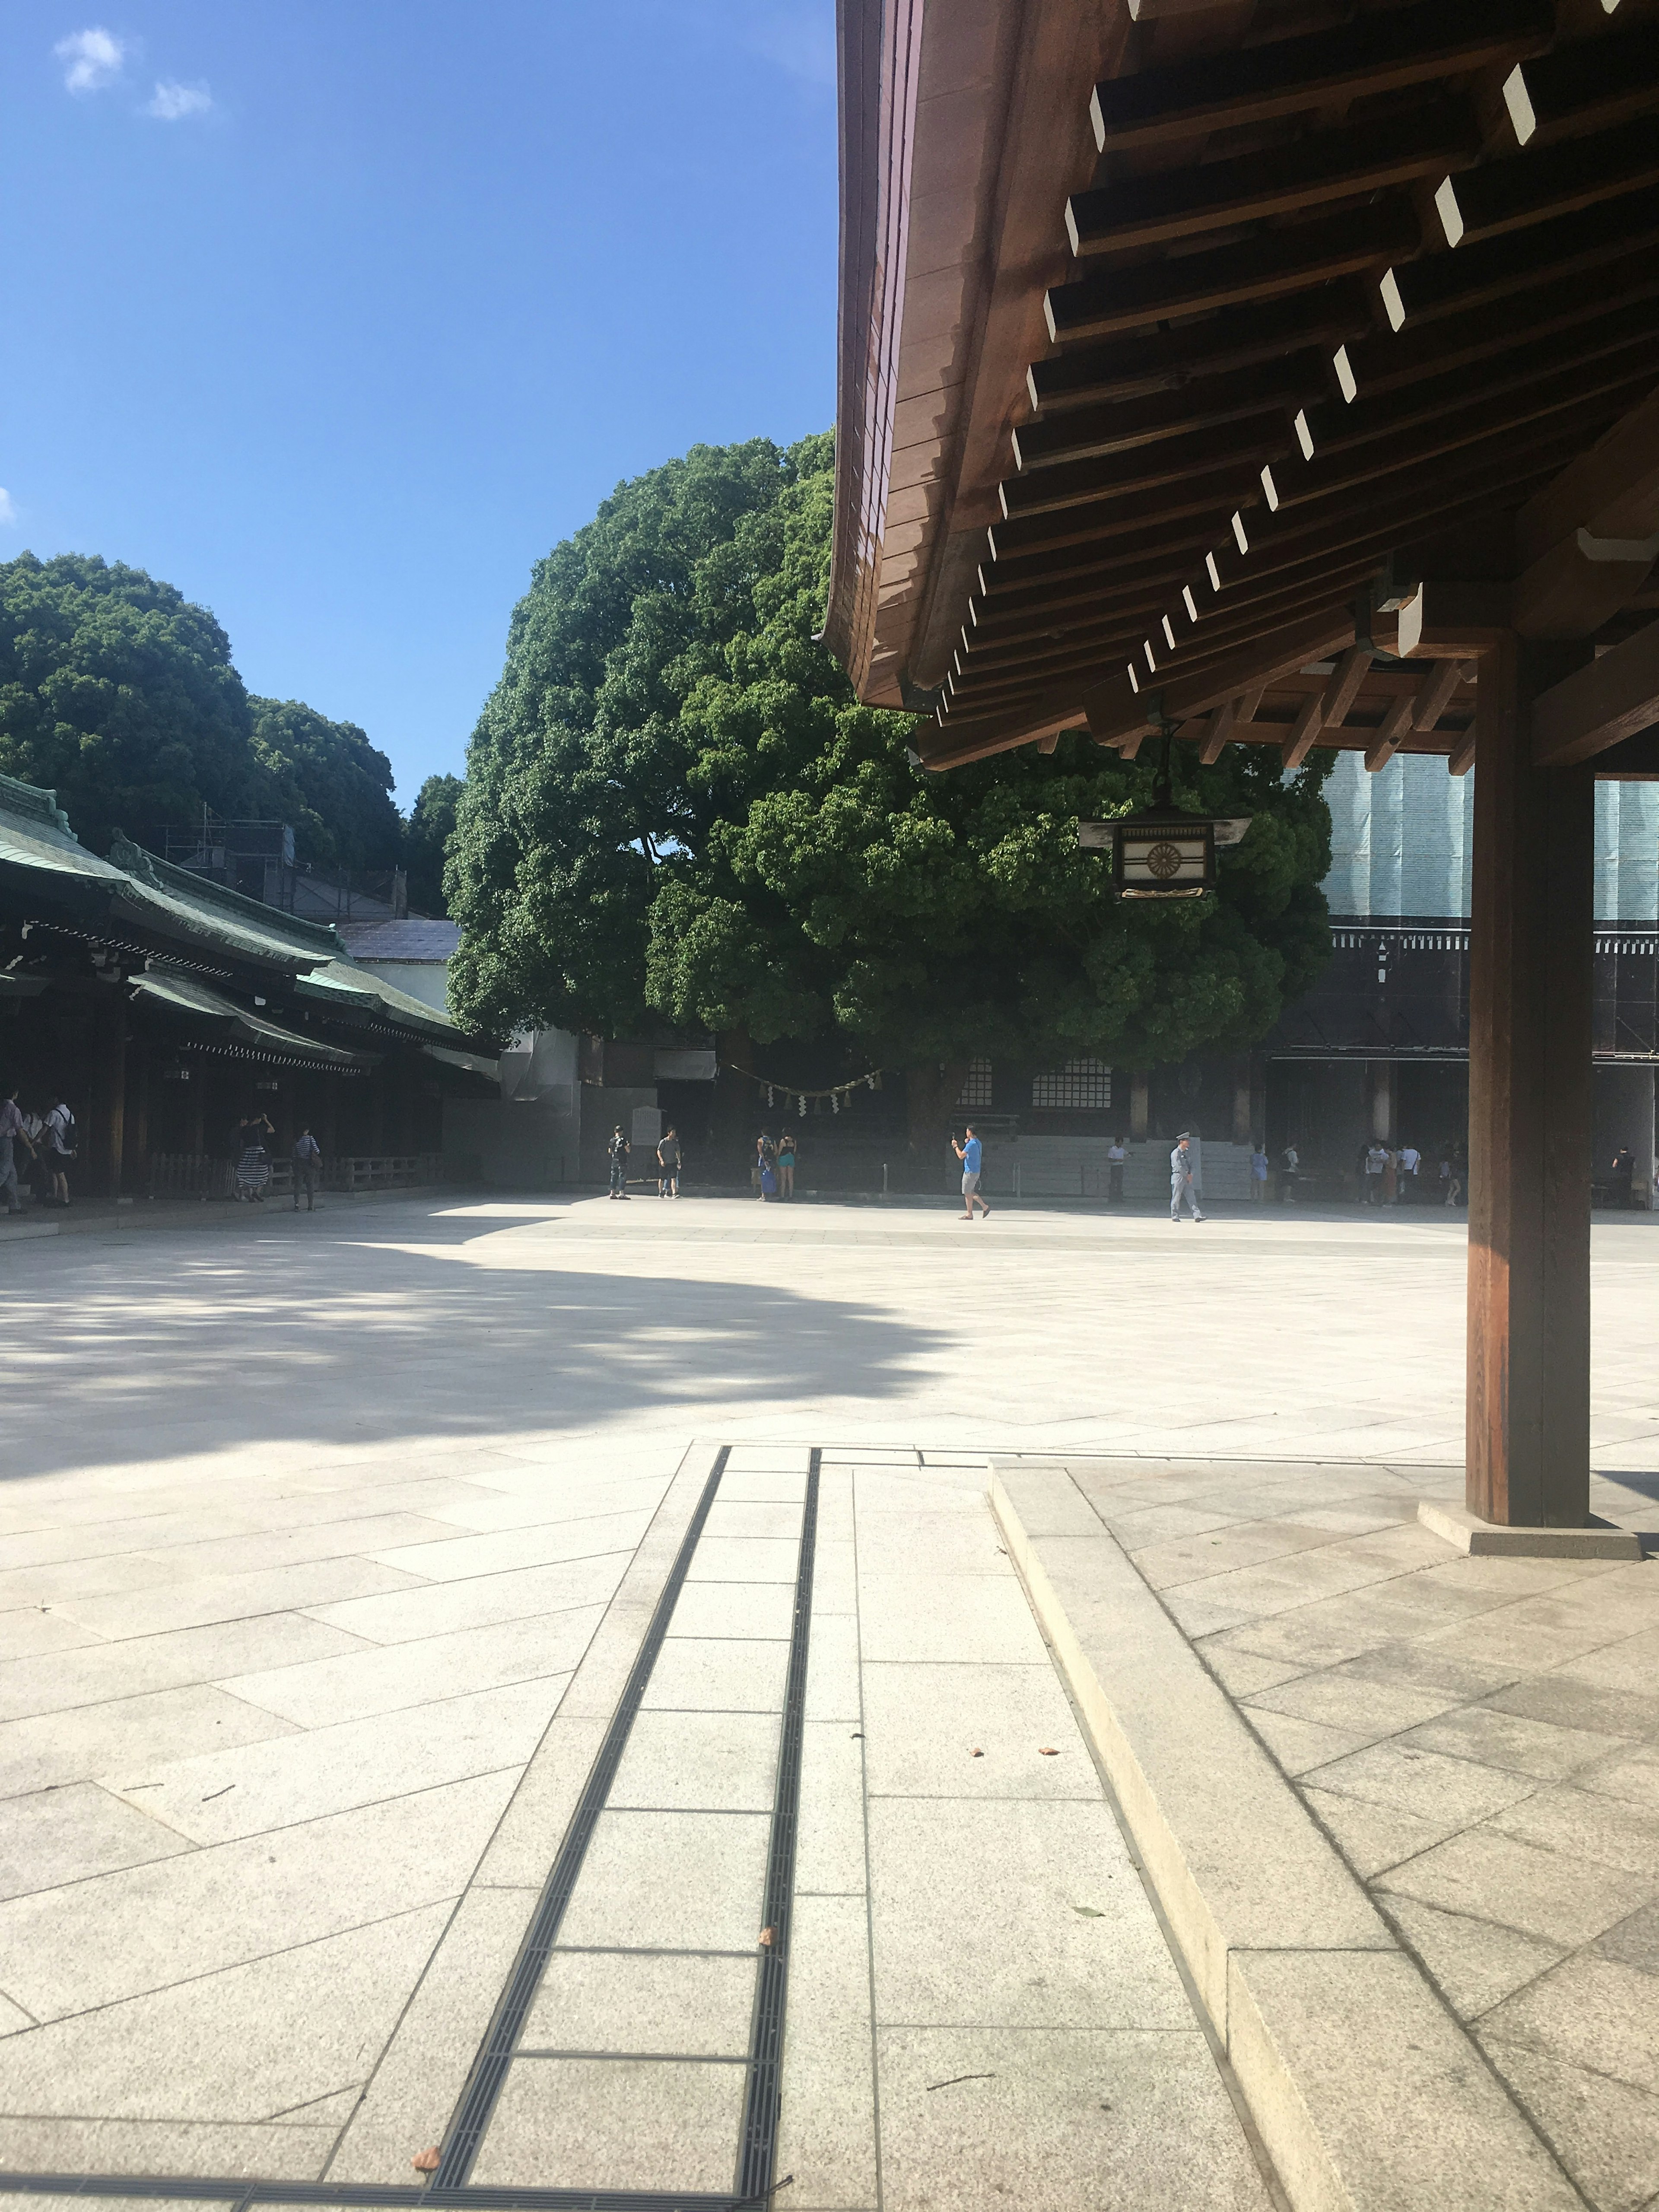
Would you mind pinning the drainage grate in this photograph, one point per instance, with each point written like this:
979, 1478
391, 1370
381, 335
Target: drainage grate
760, 2122
478, 2099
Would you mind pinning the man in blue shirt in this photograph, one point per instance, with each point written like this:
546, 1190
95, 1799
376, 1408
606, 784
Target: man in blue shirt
968, 1154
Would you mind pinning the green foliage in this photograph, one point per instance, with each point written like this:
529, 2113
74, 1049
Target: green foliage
431, 824
118, 694
330, 782
675, 803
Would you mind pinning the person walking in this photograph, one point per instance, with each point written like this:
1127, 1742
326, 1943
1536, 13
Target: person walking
971, 1154
60, 1147
1116, 1155
1290, 1171
1259, 1175
786, 1165
760, 1168
1182, 1181
12, 1134
668, 1164
618, 1149
307, 1158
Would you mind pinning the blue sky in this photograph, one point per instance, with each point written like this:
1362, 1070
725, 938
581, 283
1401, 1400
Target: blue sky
337, 316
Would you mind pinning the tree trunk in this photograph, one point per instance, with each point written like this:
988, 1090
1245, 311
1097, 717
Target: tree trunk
931, 1093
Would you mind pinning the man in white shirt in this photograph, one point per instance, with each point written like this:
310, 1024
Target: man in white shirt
1409, 1160
1115, 1157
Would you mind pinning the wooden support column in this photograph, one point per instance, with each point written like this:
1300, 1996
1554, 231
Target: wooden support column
1241, 1124
1528, 1417
1138, 1106
135, 1171
106, 1141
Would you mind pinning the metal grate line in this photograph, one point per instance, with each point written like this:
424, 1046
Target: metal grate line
394, 2196
758, 2150
483, 2086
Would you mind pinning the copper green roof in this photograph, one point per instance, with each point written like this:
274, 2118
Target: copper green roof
44, 863
190, 996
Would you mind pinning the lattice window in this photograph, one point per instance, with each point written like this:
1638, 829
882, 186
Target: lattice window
976, 1084
1079, 1082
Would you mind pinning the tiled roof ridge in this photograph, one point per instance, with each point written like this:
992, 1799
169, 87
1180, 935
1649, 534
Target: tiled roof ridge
164, 876
34, 803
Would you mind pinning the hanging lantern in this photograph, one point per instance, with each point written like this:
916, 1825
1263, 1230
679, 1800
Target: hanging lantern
1163, 852
800, 1106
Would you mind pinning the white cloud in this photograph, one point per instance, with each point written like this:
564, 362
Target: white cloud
7, 508
93, 59
173, 101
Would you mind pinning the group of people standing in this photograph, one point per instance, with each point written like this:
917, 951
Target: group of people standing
253, 1154
670, 1158
48, 1142
772, 1170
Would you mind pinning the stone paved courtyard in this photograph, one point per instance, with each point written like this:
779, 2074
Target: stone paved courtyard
326, 1549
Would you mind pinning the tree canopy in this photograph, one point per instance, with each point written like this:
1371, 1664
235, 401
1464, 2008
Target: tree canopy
330, 782
120, 694
674, 804
431, 824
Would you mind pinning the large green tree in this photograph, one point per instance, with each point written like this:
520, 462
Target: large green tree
119, 695
426, 841
674, 802
330, 782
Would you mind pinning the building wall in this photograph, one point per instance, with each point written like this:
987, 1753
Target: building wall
425, 980
1402, 841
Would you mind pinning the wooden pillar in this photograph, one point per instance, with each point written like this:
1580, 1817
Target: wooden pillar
1531, 950
1379, 1093
1242, 1099
1138, 1106
136, 1171
107, 1139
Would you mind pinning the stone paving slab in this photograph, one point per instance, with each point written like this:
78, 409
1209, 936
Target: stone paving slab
398, 1531
1440, 1736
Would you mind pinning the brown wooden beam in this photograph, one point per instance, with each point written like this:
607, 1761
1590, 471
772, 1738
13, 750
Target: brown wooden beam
1388, 361
1322, 69
1127, 213
1612, 698
1213, 494
1145, 465
1390, 731
1131, 367
1304, 733
1533, 186
1526, 1446
1432, 701
1114, 706
1611, 491
1219, 730
1509, 267
1261, 268
1585, 84
1083, 434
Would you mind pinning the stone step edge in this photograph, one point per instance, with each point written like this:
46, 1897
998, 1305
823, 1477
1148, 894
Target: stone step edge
1367, 2091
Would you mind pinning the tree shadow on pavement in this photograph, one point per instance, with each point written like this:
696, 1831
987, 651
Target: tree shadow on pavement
170, 1345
